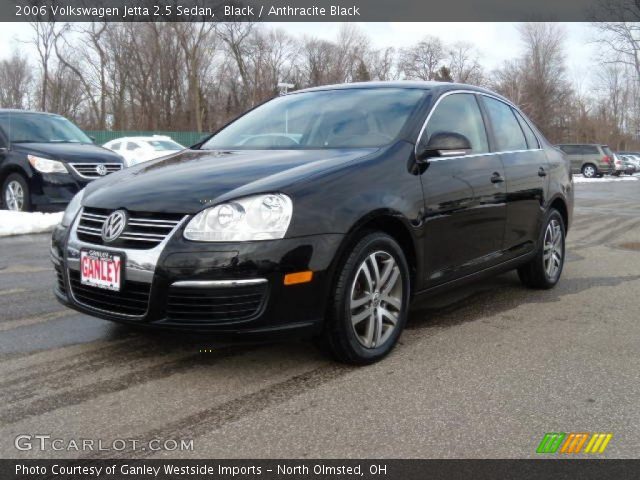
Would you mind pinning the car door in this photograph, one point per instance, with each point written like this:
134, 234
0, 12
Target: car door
4, 148
130, 152
464, 195
527, 173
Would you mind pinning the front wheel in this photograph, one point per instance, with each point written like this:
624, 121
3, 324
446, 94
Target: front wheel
370, 301
544, 270
15, 193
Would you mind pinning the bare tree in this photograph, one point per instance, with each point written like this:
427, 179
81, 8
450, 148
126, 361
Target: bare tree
464, 65
44, 34
196, 42
544, 85
15, 82
382, 64
422, 61
507, 80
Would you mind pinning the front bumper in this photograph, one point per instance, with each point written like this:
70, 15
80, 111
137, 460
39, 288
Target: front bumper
178, 268
53, 191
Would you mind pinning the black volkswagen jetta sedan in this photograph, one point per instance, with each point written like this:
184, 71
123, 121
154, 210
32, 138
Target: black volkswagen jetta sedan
322, 212
45, 160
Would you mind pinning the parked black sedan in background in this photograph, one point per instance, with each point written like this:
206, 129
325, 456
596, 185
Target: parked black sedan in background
45, 160
322, 212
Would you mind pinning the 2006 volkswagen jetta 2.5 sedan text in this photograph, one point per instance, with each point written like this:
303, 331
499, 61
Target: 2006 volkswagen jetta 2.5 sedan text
321, 213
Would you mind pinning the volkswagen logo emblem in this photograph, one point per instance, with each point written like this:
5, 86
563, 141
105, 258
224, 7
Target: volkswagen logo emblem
101, 170
114, 225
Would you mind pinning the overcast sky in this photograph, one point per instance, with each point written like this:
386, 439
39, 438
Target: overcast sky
495, 41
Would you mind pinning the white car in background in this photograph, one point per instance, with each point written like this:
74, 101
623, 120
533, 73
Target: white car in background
136, 150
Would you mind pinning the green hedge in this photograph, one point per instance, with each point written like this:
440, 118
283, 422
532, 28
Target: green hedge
184, 138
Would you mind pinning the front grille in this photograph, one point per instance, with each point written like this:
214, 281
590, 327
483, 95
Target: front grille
200, 305
60, 280
132, 299
91, 170
143, 230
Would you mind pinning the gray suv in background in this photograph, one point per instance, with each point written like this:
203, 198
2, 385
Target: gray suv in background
592, 160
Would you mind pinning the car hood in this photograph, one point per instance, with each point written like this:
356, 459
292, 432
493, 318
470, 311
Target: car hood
193, 179
69, 152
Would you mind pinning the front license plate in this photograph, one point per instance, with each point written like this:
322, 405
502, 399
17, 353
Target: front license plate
101, 269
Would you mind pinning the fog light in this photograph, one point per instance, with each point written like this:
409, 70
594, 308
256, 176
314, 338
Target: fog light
298, 277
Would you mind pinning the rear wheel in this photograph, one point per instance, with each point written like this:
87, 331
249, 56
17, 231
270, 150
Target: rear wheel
370, 301
15, 193
589, 170
544, 270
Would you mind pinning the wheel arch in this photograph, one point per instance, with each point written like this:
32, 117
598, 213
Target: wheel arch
393, 224
560, 204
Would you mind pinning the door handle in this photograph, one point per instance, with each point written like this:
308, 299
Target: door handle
497, 178
542, 172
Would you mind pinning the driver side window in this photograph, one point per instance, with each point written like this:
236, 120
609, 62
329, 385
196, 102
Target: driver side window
459, 113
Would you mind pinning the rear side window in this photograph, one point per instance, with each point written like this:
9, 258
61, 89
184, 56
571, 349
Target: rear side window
607, 151
570, 149
459, 113
532, 140
115, 146
506, 128
589, 150
132, 146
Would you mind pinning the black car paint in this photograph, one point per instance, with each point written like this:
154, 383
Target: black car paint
51, 191
453, 221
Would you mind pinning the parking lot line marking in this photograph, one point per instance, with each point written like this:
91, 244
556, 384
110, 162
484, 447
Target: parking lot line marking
11, 291
24, 322
24, 269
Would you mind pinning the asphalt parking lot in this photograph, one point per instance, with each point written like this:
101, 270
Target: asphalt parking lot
483, 371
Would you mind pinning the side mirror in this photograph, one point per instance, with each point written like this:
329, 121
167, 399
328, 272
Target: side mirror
92, 138
445, 144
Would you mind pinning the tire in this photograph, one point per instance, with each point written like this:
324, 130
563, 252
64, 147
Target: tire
537, 273
15, 193
589, 170
382, 315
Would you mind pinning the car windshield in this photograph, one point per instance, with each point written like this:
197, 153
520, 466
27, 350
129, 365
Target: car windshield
39, 128
160, 145
349, 118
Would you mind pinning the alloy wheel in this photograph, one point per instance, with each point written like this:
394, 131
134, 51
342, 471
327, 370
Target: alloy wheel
376, 299
553, 249
14, 196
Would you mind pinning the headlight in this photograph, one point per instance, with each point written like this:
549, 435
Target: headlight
45, 165
259, 217
72, 209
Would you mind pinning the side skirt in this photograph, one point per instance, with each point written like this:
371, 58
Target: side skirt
487, 272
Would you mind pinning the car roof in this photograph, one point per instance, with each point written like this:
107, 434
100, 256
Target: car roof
579, 144
143, 139
437, 87
28, 112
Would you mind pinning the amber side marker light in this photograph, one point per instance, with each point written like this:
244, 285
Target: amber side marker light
298, 277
